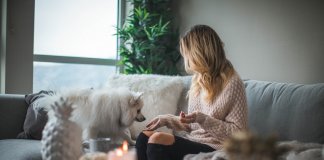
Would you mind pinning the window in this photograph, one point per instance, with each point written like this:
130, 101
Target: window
74, 45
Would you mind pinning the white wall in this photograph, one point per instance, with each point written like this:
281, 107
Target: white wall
271, 40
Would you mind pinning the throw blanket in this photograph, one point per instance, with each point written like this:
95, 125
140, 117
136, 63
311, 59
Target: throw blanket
295, 151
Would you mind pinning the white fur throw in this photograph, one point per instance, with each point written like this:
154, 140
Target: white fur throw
161, 95
295, 151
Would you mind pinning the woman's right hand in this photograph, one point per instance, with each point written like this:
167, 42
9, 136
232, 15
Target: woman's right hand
168, 120
156, 123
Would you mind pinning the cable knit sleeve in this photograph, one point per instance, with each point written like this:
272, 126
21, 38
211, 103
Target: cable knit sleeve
173, 122
234, 100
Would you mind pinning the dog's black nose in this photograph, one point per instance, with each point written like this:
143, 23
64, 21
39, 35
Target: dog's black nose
140, 119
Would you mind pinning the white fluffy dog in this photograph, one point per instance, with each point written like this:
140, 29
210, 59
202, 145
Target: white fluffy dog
105, 112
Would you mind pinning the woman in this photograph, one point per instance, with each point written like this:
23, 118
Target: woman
217, 103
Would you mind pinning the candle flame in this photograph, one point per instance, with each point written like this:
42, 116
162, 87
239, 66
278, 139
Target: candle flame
119, 152
125, 146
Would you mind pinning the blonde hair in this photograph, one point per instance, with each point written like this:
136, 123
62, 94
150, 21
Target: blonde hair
203, 52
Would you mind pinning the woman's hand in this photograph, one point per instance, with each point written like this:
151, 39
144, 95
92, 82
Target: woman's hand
189, 118
156, 123
168, 120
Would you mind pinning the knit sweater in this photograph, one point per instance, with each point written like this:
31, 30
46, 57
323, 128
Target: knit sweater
217, 121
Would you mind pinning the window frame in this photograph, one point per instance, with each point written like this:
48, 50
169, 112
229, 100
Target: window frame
86, 60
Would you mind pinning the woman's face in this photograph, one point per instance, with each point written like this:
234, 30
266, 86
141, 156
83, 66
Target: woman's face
187, 61
187, 65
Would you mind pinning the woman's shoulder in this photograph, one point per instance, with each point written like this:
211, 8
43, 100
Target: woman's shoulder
235, 81
234, 89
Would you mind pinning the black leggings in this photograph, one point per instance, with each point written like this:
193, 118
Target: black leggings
176, 151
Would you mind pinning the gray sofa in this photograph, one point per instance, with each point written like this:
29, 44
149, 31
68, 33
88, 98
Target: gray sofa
292, 111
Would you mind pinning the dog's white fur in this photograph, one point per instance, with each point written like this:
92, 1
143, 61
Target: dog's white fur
105, 112
157, 98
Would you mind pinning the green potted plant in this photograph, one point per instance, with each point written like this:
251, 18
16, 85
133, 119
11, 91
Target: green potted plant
149, 40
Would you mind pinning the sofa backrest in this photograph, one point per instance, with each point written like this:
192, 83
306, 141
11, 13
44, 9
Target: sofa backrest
13, 110
292, 111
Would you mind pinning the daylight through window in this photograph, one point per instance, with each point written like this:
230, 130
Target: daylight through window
74, 43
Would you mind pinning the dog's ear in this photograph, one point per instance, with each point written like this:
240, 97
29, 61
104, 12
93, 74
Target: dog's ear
136, 98
138, 95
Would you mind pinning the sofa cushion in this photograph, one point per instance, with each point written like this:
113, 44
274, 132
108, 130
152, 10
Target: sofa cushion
34, 124
292, 111
20, 149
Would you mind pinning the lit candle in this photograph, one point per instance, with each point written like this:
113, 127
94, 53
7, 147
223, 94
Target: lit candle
122, 153
125, 146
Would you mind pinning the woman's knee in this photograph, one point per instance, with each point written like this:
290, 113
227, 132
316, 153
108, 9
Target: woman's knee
161, 138
148, 133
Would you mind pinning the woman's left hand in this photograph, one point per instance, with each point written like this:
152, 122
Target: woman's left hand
189, 118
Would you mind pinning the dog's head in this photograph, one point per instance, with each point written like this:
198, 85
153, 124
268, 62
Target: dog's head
131, 108
136, 103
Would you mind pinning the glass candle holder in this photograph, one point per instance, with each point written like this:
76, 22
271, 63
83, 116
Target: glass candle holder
102, 145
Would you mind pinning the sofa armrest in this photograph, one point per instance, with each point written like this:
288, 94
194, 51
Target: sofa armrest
13, 109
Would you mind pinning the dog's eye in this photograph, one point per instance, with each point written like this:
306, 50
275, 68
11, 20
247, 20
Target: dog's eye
138, 111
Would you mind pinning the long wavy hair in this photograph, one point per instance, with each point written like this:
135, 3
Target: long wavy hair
204, 56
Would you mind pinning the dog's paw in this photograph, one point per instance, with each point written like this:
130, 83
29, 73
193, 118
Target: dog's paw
131, 142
